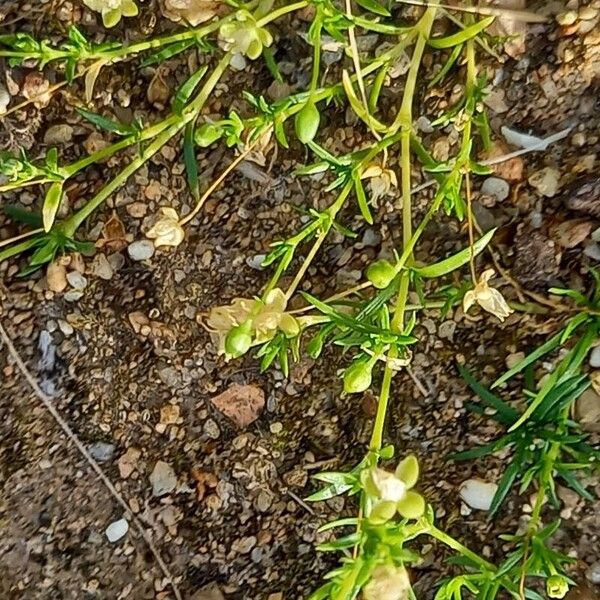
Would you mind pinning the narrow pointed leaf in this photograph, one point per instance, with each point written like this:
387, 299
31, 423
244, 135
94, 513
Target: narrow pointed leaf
51, 204
184, 93
475, 452
457, 260
363, 203
574, 484
506, 483
105, 123
548, 346
461, 36
509, 415
167, 52
374, 7
189, 159
571, 362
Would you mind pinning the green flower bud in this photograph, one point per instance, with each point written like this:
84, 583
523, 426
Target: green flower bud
382, 512
307, 122
357, 377
381, 273
238, 340
207, 134
557, 586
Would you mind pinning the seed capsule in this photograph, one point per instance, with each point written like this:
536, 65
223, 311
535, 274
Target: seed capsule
307, 123
357, 377
238, 340
381, 273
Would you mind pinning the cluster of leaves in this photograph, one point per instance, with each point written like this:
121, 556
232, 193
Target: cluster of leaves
20, 169
22, 48
545, 444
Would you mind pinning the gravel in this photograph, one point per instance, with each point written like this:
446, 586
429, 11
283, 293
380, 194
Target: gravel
116, 530
140, 250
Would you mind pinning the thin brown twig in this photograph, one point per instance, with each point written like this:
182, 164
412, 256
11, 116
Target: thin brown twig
47, 402
301, 502
217, 182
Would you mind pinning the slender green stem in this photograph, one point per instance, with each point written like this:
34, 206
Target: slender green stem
316, 67
14, 185
404, 122
284, 10
108, 151
384, 396
449, 541
190, 112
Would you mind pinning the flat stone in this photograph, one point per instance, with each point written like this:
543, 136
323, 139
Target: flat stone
140, 250
477, 493
545, 181
4, 99
102, 451
593, 573
58, 134
102, 268
115, 531
76, 280
163, 479
496, 187
595, 357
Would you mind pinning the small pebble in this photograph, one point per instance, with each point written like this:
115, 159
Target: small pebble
592, 250
514, 359
65, 327
588, 13
73, 295
244, 545
76, 280
56, 277
115, 531
101, 267
424, 125
163, 479
276, 427
496, 187
140, 250
4, 99
102, 451
371, 238
593, 573
477, 493
587, 410
595, 357
545, 181
58, 134
211, 429
255, 262
263, 501
578, 139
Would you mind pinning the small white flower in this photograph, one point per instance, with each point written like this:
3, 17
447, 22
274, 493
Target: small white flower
243, 36
390, 487
382, 181
489, 298
266, 318
113, 10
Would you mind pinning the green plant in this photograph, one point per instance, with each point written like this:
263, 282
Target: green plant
374, 321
